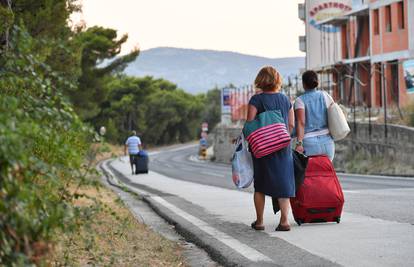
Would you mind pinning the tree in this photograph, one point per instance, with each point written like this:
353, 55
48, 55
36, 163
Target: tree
212, 107
6, 21
156, 108
176, 116
125, 108
99, 48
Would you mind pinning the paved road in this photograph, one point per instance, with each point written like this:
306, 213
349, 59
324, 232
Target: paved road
200, 200
389, 198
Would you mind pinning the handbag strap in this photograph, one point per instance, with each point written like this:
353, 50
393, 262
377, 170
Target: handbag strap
240, 140
265, 109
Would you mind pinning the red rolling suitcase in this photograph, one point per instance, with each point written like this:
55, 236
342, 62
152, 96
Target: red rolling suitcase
320, 197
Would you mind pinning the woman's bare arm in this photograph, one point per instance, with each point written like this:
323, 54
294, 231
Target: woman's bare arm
300, 127
291, 120
251, 113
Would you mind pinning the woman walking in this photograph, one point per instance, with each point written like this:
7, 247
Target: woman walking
273, 174
311, 111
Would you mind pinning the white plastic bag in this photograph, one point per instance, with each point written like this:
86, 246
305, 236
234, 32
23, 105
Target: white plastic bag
337, 124
242, 164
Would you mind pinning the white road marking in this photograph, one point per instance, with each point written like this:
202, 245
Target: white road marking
351, 191
186, 169
382, 177
243, 249
213, 174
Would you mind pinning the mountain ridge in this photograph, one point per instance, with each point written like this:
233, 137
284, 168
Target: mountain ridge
198, 70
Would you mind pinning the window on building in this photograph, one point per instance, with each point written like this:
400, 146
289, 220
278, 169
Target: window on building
376, 21
388, 21
401, 18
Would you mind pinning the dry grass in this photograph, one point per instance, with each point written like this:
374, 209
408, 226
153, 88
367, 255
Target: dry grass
107, 151
112, 236
358, 162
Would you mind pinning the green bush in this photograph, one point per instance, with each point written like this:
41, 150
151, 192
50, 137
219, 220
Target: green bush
42, 147
409, 110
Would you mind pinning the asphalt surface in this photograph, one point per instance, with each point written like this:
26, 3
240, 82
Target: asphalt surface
199, 199
375, 196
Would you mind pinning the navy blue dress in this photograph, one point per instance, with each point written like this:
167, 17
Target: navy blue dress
273, 174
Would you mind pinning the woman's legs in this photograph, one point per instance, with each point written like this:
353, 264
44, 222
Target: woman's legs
259, 203
284, 205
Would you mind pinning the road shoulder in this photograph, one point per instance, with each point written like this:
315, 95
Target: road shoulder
145, 214
227, 242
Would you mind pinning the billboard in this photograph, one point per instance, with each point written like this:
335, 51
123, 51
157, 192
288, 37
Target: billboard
409, 75
323, 41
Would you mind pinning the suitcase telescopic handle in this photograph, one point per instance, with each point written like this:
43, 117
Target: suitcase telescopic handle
317, 211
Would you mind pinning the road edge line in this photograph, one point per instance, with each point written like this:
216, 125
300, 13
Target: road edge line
188, 235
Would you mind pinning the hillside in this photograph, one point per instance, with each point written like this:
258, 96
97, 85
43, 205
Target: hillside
200, 70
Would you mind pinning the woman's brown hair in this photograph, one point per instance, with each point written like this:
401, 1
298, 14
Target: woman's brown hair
268, 79
310, 80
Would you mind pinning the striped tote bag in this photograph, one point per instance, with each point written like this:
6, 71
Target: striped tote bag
267, 133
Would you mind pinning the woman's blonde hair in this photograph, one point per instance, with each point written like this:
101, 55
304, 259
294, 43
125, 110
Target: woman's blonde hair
268, 79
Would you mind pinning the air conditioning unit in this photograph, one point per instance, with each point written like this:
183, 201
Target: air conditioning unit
302, 11
302, 43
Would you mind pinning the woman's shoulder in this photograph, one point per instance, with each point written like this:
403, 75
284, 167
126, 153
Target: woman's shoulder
254, 100
284, 97
254, 97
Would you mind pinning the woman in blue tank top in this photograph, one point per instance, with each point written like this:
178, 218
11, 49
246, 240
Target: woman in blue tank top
273, 174
311, 112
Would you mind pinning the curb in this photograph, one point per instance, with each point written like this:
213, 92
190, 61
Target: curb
190, 236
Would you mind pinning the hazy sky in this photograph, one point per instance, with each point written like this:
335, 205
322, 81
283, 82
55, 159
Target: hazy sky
258, 27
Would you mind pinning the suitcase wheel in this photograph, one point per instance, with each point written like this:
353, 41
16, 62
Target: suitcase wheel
299, 221
338, 219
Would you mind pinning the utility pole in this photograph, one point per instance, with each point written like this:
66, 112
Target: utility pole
289, 86
370, 104
355, 98
384, 86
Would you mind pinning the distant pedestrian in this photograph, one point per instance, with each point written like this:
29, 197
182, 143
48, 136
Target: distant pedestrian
311, 111
273, 174
133, 145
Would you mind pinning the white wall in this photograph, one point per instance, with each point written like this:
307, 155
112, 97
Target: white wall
323, 46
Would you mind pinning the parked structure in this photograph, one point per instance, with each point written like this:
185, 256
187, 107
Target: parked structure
363, 49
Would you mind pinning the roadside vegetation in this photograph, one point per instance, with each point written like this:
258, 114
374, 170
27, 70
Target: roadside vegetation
358, 162
58, 85
111, 235
409, 114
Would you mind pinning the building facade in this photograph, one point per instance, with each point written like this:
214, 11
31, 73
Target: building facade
367, 60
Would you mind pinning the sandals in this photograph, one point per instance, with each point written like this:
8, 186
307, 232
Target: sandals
281, 228
257, 227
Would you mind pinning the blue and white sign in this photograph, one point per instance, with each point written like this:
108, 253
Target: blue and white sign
225, 101
409, 75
